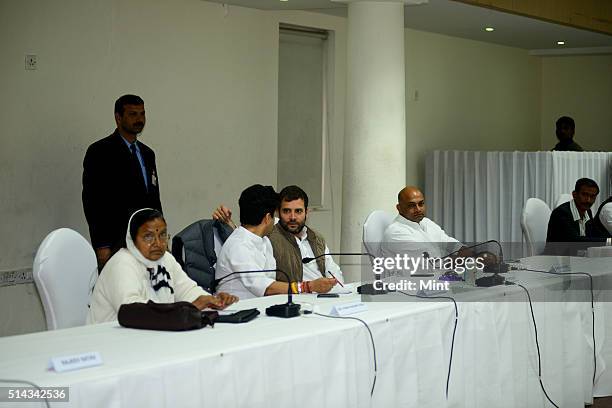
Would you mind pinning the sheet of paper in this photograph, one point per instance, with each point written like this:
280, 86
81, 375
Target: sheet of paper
346, 290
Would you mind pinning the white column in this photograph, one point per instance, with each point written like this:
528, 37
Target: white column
375, 137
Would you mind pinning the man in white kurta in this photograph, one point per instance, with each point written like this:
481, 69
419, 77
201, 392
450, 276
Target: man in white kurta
411, 232
245, 251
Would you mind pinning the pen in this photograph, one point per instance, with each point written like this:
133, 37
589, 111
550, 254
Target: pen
332, 275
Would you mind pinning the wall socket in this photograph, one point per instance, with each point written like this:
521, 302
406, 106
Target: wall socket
16, 277
31, 62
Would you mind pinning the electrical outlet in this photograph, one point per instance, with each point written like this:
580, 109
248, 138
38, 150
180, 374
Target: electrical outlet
16, 277
31, 62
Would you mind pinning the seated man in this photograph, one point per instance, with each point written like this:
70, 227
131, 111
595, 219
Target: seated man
293, 241
249, 249
571, 222
411, 226
416, 236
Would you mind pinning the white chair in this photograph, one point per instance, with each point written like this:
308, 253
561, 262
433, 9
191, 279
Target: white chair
562, 199
65, 269
534, 223
374, 229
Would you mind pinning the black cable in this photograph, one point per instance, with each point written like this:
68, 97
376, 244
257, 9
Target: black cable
537, 346
592, 306
450, 361
371, 338
27, 383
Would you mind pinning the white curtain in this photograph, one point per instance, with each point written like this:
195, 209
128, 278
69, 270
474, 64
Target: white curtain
477, 196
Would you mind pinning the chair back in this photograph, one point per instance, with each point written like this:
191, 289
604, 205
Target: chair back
534, 223
196, 248
562, 199
65, 270
374, 229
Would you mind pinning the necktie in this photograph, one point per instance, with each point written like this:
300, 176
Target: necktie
140, 166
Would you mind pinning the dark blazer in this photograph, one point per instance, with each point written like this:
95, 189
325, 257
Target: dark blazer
563, 228
113, 188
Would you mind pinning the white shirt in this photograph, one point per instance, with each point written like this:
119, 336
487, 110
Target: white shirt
126, 280
605, 216
405, 236
245, 251
310, 269
581, 221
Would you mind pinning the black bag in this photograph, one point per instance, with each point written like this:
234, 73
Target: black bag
176, 316
242, 316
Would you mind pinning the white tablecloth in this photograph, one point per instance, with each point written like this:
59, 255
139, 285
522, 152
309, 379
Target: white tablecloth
316, 361
478, 196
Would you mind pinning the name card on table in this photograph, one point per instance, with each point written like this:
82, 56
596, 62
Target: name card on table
346, 309
76, 362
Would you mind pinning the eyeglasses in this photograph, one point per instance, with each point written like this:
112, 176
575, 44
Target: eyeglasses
149, 238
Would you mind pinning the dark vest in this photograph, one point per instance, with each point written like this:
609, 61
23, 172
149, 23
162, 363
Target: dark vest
288, 256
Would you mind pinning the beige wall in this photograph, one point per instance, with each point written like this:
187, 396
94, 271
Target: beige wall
471, 96
580, 87
197, 72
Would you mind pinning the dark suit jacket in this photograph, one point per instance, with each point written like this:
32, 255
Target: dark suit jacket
113, 188
563, 228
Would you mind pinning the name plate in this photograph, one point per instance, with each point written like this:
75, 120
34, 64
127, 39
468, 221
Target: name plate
76, 362
346, 309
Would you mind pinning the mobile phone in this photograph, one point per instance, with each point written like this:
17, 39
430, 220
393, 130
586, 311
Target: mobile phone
328, 295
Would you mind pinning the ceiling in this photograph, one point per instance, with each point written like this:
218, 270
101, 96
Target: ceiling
462, 20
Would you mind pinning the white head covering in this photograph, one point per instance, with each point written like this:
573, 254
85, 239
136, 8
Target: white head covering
161, 281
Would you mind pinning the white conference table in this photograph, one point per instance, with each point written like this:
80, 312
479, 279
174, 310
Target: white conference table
317, 361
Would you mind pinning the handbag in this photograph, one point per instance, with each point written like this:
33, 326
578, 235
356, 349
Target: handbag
178, 316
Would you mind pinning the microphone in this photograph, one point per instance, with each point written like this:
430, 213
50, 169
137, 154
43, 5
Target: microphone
366, 288
497, 268
284, 310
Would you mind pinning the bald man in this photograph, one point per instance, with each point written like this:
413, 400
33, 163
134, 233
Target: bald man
412, 232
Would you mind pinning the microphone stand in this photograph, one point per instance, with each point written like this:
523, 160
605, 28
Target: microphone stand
284, 310
496, 269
